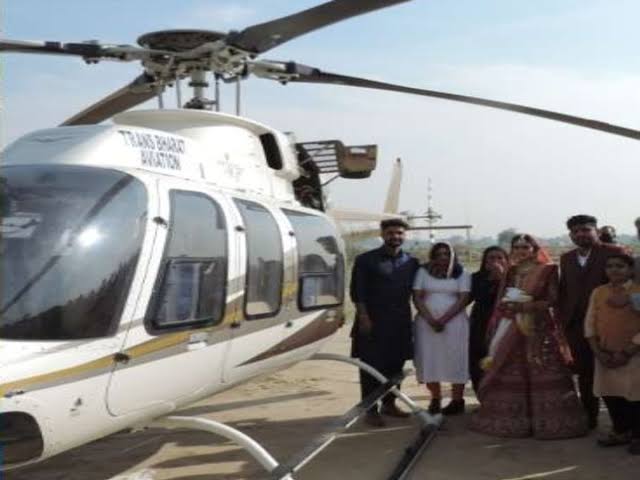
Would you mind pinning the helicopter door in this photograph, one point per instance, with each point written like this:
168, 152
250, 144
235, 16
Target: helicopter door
177, 351
261, 241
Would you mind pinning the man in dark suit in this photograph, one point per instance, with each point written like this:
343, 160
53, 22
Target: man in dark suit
381, 287
581, 271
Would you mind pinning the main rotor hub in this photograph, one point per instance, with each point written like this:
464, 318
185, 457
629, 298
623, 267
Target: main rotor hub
178, 40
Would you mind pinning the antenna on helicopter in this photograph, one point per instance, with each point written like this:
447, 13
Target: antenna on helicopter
431, 215
217, 90
160, 98
238, 94
178, 92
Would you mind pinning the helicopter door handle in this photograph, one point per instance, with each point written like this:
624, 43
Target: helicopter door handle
196, 345
197, 341
121, 358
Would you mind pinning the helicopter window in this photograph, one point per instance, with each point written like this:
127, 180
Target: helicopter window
70, 240
264, 261
192, 283
320, 261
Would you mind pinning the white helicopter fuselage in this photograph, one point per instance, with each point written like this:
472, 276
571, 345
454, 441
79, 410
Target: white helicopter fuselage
216, 271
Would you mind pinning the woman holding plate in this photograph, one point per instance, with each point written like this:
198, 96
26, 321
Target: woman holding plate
527, 389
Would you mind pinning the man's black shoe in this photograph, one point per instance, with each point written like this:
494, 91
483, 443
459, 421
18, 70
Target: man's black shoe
374, 419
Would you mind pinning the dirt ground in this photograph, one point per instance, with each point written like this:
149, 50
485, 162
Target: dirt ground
285, 410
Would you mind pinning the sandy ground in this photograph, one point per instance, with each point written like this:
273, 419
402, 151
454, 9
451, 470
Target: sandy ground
287, 409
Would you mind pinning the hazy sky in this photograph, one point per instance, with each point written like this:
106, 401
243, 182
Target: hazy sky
491, 169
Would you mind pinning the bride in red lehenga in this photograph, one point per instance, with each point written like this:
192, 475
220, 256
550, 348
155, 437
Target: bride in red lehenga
527, 389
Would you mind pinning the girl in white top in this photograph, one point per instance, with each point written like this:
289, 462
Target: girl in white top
441, 290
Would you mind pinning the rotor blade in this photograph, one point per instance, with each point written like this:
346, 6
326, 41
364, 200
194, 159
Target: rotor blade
140, 90
86, 50
265, 36
56, 48
306, 74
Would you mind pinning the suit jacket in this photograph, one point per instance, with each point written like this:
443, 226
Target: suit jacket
577, 283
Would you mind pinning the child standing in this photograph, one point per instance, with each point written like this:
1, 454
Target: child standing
612, 328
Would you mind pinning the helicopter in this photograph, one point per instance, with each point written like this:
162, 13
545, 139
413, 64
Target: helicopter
184, 243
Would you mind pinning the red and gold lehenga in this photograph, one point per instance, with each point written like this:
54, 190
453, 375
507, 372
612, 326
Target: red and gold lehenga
527, 389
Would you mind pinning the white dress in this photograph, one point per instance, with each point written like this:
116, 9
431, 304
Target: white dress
442, 356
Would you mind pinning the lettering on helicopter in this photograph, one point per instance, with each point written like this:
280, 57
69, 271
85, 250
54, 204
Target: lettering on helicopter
156, 151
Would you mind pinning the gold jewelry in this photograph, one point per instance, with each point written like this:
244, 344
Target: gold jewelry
522, 271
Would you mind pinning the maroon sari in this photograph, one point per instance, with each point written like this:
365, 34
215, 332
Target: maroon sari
528, 389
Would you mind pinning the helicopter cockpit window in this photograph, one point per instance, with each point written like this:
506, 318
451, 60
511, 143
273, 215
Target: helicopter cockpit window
264, 261
70, 240
320, 262
192, 282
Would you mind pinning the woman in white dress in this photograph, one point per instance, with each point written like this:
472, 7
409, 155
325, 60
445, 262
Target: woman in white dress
441, 290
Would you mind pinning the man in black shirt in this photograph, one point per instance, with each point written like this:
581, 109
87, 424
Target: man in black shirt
381, 286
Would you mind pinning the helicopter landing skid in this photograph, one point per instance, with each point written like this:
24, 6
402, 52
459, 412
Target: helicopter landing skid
285, 471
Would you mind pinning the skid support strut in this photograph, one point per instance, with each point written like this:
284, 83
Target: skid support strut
424, 417
429, 424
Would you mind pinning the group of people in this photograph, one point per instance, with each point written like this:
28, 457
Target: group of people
532, 326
